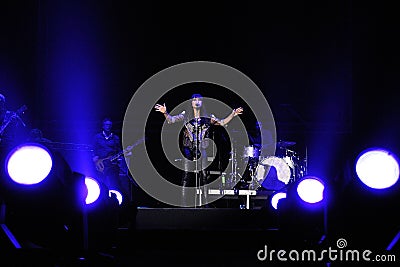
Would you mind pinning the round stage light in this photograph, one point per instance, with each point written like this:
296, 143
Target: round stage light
377, 168
311, 189
93, 188
276, 197
117, 193
29, 164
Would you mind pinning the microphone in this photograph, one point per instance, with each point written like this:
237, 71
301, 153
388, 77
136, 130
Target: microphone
213, 117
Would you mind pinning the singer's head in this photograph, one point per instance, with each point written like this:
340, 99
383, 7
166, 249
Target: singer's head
197, 101
196, 96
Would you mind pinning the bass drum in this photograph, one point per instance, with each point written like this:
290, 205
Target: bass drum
273, 173
250, 152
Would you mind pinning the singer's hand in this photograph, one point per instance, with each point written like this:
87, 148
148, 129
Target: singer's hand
161, 108
237, 111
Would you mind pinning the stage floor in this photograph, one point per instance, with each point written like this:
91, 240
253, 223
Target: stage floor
184, 237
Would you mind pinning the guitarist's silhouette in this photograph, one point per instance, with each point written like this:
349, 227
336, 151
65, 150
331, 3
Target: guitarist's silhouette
108, 158
106, 144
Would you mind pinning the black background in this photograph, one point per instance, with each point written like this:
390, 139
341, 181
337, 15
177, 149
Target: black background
329, 69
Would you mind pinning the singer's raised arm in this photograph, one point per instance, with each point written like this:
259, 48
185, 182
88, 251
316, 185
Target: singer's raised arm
225, 121
168, 117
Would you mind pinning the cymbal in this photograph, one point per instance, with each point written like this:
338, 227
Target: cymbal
285, 143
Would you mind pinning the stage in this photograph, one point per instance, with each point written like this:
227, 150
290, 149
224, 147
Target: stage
196, 237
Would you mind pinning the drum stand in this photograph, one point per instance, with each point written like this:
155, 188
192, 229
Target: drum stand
254, 183
232, 179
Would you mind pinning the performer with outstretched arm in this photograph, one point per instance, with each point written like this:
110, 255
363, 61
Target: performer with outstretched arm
196, 129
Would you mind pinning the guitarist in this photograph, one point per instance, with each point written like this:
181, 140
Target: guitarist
11, 125
106, 145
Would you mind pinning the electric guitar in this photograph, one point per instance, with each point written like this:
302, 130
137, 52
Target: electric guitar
13, 116
112, 159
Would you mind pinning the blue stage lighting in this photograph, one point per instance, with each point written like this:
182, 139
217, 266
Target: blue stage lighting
311, 189
41, 196
276, 197
29, 164
32, 172
377, 168
93, 190
118, 195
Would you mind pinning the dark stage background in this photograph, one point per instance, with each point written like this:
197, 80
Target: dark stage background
328, 70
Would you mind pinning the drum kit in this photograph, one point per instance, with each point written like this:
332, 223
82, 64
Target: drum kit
267, 172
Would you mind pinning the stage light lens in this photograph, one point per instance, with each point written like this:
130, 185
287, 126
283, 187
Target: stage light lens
311, 189
276, 197
29, 164
118, 194
93, 188
377, 168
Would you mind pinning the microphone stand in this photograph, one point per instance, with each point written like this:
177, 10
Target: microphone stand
195, 155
